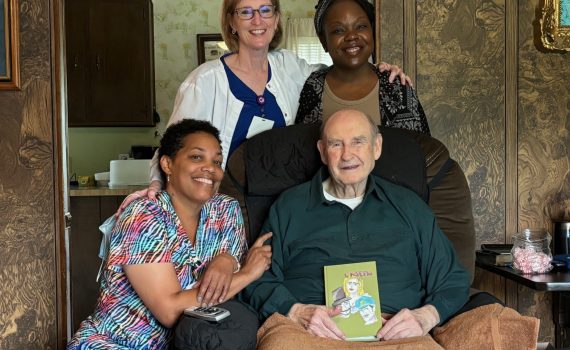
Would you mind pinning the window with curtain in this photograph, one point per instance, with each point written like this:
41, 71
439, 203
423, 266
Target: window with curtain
301, 38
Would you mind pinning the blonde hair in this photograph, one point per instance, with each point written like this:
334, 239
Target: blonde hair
360, 285
232, 40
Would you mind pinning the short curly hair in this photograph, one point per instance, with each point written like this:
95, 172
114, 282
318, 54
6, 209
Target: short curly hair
232, 40
173, 139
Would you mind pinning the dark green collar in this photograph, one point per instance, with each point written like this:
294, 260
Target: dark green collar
316, 196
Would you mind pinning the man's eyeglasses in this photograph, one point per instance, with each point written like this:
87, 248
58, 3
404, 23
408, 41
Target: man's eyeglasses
265, 11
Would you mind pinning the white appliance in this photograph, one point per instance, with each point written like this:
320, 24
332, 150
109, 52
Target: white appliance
129, 172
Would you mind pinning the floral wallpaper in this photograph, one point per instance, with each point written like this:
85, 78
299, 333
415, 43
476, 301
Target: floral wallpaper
176, 23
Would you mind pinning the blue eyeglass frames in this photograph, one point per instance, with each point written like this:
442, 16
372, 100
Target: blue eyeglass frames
265, 11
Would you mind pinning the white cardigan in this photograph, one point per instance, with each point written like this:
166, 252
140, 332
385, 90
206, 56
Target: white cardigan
205, 95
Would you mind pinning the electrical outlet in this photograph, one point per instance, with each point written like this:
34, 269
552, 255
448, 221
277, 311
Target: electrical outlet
123, 156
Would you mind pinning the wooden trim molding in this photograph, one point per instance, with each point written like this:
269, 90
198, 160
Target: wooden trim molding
378, 30
511, 117
410, 38
60, 166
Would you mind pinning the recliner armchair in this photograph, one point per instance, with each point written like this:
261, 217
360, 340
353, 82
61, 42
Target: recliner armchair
275, 160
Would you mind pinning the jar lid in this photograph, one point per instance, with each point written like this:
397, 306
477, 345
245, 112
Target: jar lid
532, 235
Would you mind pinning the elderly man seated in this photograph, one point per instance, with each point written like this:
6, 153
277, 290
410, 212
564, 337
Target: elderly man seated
344, 215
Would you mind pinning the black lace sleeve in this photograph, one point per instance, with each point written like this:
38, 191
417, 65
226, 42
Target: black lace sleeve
310, 102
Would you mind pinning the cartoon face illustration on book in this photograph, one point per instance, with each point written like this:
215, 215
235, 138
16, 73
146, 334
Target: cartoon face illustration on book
353, 287
366, 307
351, 299
352, 295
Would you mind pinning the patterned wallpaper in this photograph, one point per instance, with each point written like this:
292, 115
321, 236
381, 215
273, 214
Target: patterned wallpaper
462, 90
176, 24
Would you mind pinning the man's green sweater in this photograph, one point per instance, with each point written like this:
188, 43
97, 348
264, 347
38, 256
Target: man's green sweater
416, 263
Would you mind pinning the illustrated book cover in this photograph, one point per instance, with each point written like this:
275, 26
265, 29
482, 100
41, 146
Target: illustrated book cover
353, 298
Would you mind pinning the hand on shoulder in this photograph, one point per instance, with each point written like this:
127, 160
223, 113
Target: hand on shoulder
149, 192
395, 72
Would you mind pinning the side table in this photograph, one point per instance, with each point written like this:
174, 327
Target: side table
557, 282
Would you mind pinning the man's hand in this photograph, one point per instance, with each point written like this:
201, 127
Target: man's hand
409, 323
215, 282
395, 71
316, 320
151, 191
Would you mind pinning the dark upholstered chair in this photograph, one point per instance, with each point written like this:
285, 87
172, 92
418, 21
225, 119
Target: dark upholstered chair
267, 164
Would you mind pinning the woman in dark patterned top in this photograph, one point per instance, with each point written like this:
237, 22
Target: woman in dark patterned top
345, 29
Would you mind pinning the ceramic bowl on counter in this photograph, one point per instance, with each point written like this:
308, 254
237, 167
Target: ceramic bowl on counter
102, 179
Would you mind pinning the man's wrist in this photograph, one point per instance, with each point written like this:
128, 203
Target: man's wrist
428, 317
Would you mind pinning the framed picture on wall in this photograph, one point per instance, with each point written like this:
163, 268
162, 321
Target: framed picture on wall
210, 47
555, 25
9, 45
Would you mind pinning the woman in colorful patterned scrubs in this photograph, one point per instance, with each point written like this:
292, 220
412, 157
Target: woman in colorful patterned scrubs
182, 250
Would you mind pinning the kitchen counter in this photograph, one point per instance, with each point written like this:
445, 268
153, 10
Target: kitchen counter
103, 191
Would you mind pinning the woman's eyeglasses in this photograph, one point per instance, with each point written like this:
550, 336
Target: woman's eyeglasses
265, 11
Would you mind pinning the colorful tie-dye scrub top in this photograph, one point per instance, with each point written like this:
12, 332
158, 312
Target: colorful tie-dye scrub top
151, 232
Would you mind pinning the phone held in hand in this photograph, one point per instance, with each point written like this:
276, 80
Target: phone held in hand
212, 314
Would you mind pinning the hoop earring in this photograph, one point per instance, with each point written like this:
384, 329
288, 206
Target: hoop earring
234, 32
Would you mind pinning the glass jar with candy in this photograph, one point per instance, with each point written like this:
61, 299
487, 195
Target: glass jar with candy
531, 251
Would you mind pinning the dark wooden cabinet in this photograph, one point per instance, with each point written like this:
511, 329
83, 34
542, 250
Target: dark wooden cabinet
110, 65
84, 241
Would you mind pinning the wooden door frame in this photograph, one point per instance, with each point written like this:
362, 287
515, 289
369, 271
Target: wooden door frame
378, 27
59, 113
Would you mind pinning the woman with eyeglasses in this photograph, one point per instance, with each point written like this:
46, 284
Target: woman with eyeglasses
253, 88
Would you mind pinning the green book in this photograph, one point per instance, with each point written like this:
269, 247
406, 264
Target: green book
353, 299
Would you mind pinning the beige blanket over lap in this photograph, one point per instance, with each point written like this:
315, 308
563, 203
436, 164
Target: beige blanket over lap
486, 327
489, 327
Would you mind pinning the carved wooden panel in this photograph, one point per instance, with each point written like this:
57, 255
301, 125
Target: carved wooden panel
539, 305
490, 283
461, 55
543, 123
392, 32
28, 312
543, 146
488, 89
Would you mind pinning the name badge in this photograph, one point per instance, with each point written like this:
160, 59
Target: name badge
259, 124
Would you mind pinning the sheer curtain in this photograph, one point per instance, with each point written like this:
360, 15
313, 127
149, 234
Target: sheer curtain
300, 37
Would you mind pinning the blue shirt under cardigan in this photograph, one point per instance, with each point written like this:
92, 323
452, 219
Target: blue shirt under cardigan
270, 109
415, 261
